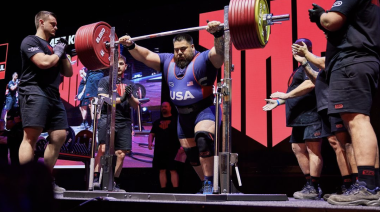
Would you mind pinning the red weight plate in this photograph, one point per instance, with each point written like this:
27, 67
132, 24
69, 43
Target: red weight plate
90, 45
232, 25
102, 35
242, 24
237, 23
245, 22
80, 45
253, 25
83, 51
239, 42
241, 21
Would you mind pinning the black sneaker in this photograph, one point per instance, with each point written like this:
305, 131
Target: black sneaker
358, 194
308, 192
202, 188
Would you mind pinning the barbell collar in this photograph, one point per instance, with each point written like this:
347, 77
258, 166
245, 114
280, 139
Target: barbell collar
270, 19
277, 18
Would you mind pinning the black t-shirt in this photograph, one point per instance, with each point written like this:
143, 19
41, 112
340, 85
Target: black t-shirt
33, 80
165, 131
359, 39
302, 110
123, 110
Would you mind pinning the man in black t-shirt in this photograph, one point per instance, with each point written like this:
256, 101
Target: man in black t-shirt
123, 124
302, 116
164, 133
352, 64
11, 95
39, 98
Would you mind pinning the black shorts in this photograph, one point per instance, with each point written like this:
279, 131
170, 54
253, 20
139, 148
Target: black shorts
84, 102
165, 160
39, 111
10, 102
337, 124
326, 125
123, 134
351, 88
331, 123
302, 133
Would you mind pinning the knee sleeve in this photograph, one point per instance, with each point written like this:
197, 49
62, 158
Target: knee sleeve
205, 143
192, 155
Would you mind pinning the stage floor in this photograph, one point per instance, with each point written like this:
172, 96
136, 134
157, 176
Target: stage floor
83, 200
198, 202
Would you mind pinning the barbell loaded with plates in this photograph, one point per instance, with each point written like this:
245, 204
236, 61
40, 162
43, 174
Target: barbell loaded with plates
249, 26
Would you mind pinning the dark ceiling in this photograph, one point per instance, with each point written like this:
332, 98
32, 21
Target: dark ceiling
20, 18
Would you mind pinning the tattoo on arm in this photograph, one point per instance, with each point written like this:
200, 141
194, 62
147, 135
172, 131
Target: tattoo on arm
219, 45
311, 73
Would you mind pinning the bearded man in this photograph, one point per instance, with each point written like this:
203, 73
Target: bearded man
190, 76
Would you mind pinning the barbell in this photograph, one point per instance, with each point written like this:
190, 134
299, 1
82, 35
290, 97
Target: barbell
249, 26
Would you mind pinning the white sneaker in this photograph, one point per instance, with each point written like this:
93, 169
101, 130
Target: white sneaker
57, 189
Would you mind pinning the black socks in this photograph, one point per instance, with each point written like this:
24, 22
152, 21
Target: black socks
367, 175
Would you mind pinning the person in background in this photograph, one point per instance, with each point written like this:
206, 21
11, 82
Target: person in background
11, 95
123, 124
92, 81
306, 137
84, 102
164, 134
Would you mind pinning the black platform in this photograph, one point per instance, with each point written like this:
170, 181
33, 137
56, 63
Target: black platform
107, 201
174, 197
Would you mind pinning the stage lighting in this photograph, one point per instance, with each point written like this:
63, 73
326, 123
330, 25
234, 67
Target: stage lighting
146, 115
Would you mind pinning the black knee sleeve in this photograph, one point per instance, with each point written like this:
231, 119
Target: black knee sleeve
205, 143
192, 155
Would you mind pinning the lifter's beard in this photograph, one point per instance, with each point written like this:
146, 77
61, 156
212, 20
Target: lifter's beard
183, 63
